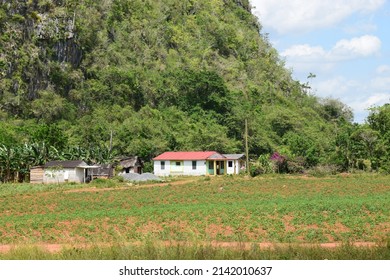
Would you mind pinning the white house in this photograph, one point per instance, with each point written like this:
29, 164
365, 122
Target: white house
197, 163
66, 171
235, 163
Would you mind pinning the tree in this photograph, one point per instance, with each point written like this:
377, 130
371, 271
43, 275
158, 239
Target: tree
51, 135
48, 107
204, 89
379, 121
335, 110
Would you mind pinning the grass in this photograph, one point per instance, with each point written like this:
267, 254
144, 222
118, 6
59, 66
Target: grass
278, 209
148, 250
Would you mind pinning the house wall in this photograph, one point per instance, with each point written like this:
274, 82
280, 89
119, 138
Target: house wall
230, 170
64, 175
200, 168
185, 168
210, 167
238, 167
176, 167
157, 168
79, 176
235, 169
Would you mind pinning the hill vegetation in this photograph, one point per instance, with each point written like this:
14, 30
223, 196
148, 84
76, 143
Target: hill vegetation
94, 79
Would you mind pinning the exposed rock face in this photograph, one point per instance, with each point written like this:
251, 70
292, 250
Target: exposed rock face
47, 27
37, 34
59, 32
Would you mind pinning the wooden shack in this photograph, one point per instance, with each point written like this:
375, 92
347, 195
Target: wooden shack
61, 171
36, 174
132, 164
104, 171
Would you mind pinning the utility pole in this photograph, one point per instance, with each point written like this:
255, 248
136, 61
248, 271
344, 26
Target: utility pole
246, 146
110, 141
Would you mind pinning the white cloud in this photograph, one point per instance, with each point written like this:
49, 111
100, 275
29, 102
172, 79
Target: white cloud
360, 96
361, 104
383, 69
363, 46
356, 47
305, 58
305, 52
337, 87
354, 17
301, 15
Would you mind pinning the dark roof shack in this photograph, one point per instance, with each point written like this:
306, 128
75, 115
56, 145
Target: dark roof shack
127, 162
65, 163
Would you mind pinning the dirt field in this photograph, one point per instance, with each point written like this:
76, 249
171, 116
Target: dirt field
224, 212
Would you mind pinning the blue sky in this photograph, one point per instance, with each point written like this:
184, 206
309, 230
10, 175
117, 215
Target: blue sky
345, 43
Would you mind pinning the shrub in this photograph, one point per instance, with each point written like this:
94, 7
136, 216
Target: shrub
255, 170
364, 164
280, 163
296, 165
266, 164
120, 179
262, 166
148, 167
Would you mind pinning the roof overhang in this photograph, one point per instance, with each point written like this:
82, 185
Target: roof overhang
190, 156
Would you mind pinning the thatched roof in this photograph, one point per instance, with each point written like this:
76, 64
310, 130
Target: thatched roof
130, 162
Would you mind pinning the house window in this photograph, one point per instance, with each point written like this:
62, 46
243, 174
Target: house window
163, 165
211, 164
194, 164
222, 165
230, 163
178, 163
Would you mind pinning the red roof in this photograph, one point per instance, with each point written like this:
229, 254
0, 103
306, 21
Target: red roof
186, 155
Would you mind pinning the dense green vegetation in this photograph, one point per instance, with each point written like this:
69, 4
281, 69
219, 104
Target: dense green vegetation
163, 75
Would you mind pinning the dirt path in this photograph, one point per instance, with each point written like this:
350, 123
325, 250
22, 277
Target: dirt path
55, 248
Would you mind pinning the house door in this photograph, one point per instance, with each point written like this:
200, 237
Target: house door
216, 167
220, 168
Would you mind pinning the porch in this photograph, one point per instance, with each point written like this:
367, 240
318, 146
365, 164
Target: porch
216, 167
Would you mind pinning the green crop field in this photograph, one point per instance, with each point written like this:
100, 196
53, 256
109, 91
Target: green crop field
273, 209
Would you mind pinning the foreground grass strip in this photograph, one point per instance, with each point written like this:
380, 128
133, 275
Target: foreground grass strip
150, 250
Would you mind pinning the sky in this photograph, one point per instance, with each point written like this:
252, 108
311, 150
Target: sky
344, 43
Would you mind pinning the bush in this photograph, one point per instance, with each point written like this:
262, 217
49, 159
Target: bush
385, 167
255, 170
106, 183
364, 164
262, 166
148, 167
296, 165
280, 163
266, 164
120, 179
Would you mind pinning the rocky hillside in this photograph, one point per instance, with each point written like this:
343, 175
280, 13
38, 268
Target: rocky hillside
145, 76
